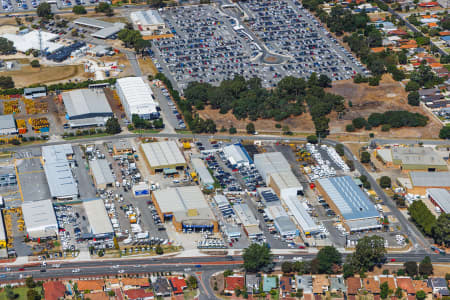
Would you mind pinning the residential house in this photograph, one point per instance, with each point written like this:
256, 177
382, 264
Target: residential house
406, 284
286, 286
178, 284
371, 285
304, 282
139, 294
337, 284
439, 286
269, 283
252, 282
353, 285
429, 92
320, 284
161, 287
421, 285
54, 290
97, 296
135, 283
93, 286
390, 281
112, 284
234, 282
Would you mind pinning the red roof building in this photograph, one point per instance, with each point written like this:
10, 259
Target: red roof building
397, 32
178, 284
139, 294
54, 290
429, 4
406, 284
233, 282
353, 285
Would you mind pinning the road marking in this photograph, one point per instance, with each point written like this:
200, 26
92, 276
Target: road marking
31, 172
18, 179
200, 278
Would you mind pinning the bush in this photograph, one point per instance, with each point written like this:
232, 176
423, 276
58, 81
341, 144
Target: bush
359, 123
79, 10
232, 130
374, 81
386, 127
414, 98
365, 157
412, 86
444, 133
385, 182
340, 149
350, 128
312, 139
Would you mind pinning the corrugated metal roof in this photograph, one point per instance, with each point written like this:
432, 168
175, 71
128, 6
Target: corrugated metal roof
162, 154
430, 179
58, 172
300, 214
270, 162
101, 171
417, 156
351, 201
236, 155
7, 122
147, 17
137, 95
202, 171
245, 215
2, 228
442, 198
98, 217
92, 23
285, 180
285, 225
40, 218
86, 101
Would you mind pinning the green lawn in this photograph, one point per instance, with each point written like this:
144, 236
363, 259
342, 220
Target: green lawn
68, 138
21, 291
143, 131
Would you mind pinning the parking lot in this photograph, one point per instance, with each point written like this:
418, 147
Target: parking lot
11, 6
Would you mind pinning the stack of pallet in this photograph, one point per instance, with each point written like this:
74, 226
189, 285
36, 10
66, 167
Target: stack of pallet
39, 124
22, 126
11, 107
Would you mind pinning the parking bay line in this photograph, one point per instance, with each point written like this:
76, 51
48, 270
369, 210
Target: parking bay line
31, 172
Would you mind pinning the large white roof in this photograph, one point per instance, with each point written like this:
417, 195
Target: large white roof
137, 94
270, 162
98, 217
163, 154
146, 17
30, 40
301, 215
85, 102
40, 218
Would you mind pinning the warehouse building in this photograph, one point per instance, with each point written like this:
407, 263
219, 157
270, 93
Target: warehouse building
105, 29
285, 184
440, 198
58, 171
40, 219
101, 173
7, 125
237, 155
248, 220
186, 207
413, 159
201, 172
121, 147
301, 216
36, 92
163, 155
137, 98
99, 223
350, 202
3, 236
281, 221
268, 196
418, 182
149, 22
270, 162
86, 107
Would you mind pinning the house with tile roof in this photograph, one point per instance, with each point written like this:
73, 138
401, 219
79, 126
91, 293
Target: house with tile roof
353, 285
439, 286
54, 290
135, 283
234, 282
406, 284
252, 281
139, 294
286, 287
178, 284
390, 281
161, 287
320, 284
371, 285
304, 282
421, 285
91, 285
97, 296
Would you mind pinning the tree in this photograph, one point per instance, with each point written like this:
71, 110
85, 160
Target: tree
385, 182
44, 10
250, 128
113, 126
257, 257
159, 250
35, 63
6, 46
365, 157
287, 267
441, 232
232, 130
6, 82
412, 86
104, 7
312, 139
33, 295
10, 295
340, 149
425, 266
421, 295
384, 290
444, 133
399, 293
359, 123
414, 98
156, 3
410, 268
192, 282
79, 10
327, 257
422, 217
370, 251
324, 81
350, 128
29, 282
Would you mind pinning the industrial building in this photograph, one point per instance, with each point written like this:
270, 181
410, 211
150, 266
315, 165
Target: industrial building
301, 215
281, 221
105, 29
36, 92
34, 40
440, 198
58, 171
137, 98
141, 190
86, 107
285, 184
201, 172
268, 196
40, 219
350, 202
3, 236
99, 223
186, 207
163, 155
248, 220
418, 182
149, 22
413, 159
237, 155
7, 125
121, 147
270, 162
101, 173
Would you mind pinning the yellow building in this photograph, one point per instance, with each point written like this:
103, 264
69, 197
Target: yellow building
3, 237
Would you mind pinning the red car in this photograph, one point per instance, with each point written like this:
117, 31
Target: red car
392, 259
21, 269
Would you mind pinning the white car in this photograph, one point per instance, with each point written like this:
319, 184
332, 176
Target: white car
75, 270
